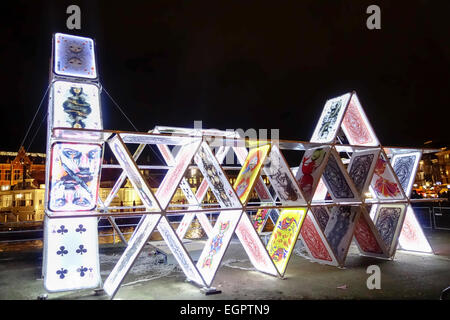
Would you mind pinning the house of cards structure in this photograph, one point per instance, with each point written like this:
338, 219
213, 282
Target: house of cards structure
345, 187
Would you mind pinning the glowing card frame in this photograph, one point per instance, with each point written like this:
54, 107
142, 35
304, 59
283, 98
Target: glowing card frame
87, 60
147, 224
80, 269
348, 119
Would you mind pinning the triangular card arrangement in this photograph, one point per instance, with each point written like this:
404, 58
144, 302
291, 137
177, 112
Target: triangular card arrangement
157, 203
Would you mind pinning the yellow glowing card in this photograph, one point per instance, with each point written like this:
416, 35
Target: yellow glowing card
249, 172
284, 236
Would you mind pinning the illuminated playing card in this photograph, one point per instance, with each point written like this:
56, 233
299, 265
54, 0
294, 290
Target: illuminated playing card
355, 125
330, 119
74, 177
405, 167
71, 254
75, 105
310, 170
282, 180
250, 172
74, 56
284, 236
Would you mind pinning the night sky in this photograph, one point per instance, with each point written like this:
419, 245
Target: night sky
238, 64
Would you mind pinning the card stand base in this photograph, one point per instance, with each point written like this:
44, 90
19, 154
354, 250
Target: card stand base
209, 291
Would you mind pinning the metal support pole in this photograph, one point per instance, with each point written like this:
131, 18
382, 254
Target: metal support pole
116, 228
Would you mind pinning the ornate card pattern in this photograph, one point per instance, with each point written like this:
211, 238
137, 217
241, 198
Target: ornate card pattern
281, 179
412, 237
365, 237
284, 236
387, 222
360, 169
254, 247
383, 181
215, 246
330, 119
339, 230
74, 56
356, 126
75, 105
405, 166
213, 173
321, 215
260, 219
308, 175
250, 172
313, 241
74, 177
336, 182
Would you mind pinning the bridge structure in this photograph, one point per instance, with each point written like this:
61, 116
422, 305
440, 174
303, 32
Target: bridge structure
345, 187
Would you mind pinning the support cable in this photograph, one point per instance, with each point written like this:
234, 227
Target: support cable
34, 117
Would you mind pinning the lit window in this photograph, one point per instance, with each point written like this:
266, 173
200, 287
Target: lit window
16, 174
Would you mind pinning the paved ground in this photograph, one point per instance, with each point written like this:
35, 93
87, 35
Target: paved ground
408, 276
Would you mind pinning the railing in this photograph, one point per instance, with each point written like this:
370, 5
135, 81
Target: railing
36, 234
431, 217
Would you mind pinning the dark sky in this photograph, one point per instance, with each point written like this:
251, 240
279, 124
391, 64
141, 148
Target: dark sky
239, 64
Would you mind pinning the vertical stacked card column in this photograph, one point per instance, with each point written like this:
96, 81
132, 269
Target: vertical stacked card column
73, 167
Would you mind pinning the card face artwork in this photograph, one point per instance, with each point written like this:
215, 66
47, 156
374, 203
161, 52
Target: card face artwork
75, 105
215, 246
281, 179
314, 241
321, 215
250, 172
260, 219
336, 182
74, 56
405, 166
365, 238
284, 236
387, 222
129, 166
412, 237
273, 215
330, 119
74, 177
212, 172
308, 175
383, 181
361, 167
71, 254
356, 126
260, 187
339, 230
253, 246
